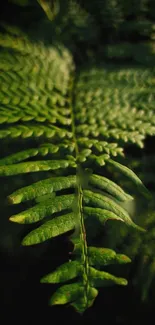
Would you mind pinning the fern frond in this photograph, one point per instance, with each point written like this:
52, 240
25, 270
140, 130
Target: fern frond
85, 122
38, 99
125, 95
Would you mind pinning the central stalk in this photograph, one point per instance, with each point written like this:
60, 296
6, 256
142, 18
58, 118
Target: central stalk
83, 239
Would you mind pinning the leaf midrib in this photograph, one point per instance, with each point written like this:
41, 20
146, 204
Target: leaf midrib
84, 254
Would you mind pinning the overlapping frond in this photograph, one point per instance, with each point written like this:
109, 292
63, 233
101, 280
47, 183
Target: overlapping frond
26, 95
115, 103
87, 122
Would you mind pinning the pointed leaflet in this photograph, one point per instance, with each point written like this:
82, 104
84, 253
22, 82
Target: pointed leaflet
112, 188
100, 256
67, 293
63, 273
41, 188
101, 201
51, 8
44, 209
35, 130
43, 150
23, 155
100, 278
74, 293
50, 229
20, 156
132, 176
111, 209
103, 215
103, 256
35, 166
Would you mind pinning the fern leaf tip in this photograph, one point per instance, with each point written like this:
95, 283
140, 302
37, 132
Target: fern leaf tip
26, 242
123, 259
17, 219
122, 282
13, 199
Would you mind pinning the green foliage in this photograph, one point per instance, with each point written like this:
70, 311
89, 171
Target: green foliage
51, 8
79, 121
141, 248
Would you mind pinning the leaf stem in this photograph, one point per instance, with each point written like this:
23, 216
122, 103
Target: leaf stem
83, 238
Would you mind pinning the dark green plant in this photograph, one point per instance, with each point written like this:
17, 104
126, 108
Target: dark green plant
79, 121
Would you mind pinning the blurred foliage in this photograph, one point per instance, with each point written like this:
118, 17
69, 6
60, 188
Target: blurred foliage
111, 29
139, 248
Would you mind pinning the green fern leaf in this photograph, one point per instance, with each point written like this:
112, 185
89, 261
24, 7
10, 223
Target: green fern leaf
41, 188
100, 278
67, 293
77, 122
50, 229
45, 209
30, 167
65, 272
132, 176
104, 256
112, 188
103, 215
